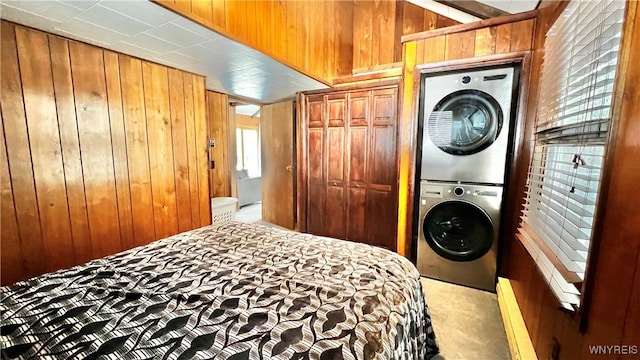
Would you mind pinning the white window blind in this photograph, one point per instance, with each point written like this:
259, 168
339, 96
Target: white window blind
574, 109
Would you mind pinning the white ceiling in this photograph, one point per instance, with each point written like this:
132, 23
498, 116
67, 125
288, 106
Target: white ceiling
147, 30
248, 110
510, 6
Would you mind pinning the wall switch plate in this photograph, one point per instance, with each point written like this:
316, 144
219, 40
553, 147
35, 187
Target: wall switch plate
212, 142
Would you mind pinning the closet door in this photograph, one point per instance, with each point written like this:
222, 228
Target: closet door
335, 203
381, 200
356, 151
316, 165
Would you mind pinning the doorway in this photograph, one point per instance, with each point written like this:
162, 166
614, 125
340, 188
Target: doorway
248, 167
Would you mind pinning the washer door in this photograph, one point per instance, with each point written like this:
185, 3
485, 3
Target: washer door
458, 230
465, 122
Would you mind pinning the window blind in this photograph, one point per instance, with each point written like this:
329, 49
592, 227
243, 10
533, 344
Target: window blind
573, 114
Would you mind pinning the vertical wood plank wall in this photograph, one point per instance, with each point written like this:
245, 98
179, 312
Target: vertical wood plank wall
613, 316
500, 39
218, 123
101, 152
322, 38
379, 25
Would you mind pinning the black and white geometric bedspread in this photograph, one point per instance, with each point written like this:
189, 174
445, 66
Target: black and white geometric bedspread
232, 291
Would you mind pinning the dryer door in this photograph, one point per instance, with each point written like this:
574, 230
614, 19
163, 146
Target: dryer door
465, 122
458, 230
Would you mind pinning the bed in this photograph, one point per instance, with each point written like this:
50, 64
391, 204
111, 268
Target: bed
231, 291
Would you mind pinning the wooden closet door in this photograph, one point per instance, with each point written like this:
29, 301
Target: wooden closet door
357, 148
316, 166
335, 203
381, 200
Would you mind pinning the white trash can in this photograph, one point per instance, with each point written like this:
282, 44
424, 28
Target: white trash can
223, 209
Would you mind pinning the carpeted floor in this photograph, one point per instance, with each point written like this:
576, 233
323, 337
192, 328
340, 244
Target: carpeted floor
251, 213
467, 322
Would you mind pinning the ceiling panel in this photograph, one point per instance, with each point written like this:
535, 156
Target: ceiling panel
146, 30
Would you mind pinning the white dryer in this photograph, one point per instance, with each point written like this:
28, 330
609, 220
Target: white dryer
466, 124
458, 233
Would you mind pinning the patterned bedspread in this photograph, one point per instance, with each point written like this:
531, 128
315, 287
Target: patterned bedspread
232, 291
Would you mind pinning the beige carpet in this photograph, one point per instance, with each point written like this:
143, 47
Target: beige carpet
250, 213
467, 322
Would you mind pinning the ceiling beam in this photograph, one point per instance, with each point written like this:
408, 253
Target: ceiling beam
474, 8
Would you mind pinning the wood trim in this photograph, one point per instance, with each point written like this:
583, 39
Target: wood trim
471, 26
517, 335
487, 60
377, 85
377, 68
302, 149
382, 76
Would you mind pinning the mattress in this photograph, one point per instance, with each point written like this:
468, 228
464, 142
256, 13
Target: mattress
231, 291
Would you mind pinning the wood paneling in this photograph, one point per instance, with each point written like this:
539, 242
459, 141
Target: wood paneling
218, 121
44, 142
379, 25
283, 30
435, 47
361, 34
90, 142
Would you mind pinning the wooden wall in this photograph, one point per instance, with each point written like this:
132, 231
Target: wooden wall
379, 25
218, 124
314, 37
612, 299
101, 152
427, 49
322, 38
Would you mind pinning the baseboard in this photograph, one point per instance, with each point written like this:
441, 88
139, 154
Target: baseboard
517, 335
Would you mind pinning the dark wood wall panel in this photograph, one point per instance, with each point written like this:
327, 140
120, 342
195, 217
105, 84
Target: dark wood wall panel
218, 121
95, 156
379, 25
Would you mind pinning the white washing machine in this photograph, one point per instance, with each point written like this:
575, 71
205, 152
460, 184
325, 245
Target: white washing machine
458, 233
466, 124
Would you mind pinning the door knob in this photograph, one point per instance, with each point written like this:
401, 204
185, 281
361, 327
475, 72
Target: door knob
289, 168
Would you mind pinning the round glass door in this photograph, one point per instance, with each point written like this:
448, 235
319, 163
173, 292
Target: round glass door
458, 231
465, 122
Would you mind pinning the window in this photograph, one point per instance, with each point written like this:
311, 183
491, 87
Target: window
574, 109
248, 151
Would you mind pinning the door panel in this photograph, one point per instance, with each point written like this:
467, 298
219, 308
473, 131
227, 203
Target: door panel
315, 112
334, 212
357, 151
316, 212
316, 155
383, 155
278, 153
382, 219
335, 155
356, 224
359, 108
384, 106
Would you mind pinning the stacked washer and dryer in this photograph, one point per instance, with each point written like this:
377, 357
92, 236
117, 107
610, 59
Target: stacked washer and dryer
466, 129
